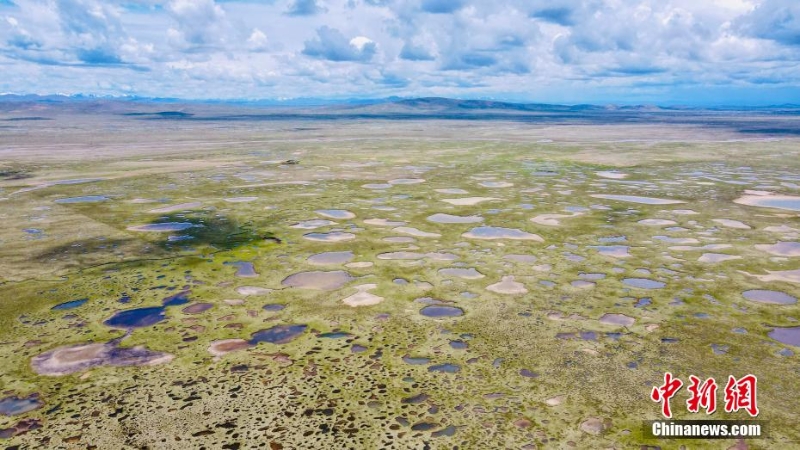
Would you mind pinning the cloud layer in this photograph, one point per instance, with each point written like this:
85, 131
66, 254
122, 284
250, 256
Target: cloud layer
668, 51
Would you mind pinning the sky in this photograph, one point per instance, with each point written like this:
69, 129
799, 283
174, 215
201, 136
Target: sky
693, 52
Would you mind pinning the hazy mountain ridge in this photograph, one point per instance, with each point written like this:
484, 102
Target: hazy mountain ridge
393, 105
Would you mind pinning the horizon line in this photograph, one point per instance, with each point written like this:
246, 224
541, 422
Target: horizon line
336, 100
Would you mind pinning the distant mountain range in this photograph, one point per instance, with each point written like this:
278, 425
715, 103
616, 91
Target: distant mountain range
22, 110
393, 105
442, 104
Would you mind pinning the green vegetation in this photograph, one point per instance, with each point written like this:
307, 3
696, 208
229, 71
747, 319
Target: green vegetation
316, 392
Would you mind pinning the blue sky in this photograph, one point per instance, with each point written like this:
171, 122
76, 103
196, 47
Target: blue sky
561, 51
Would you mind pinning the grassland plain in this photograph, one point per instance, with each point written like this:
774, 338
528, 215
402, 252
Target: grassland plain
225, 361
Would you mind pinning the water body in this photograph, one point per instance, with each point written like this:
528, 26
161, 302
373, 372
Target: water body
137, 318
13, 406
446, 431
638, 199
716, 257
335, 213
244, 269
70, 304
416, 232
643, 283
614, 251
467, 274
399, 239
612, 239
321, 259
785, 202
501, 233
162, 227
455, 191
145, 317
279, 334
446, 367
384, 223
334, 236
334, 335
496, 184
449, 218
468, 201
83, 199
458, 345
416, 361
520, 258
771, 297
441, 311
788, 336
318, 280
780, 248
406, 181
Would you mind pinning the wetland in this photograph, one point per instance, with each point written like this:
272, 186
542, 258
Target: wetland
430, 284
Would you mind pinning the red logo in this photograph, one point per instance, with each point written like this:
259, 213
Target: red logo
739, 394
704, 395
665, 392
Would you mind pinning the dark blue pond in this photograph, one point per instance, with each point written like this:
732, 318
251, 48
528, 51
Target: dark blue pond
447, 367
181, 298
243, 269
137, 318
458, 345
70, 304
441, 311
279, 334
12, 406
145, 317
334, 335
274, 307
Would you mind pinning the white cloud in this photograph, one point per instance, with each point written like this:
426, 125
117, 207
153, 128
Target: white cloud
399, 47
332, 45
200, 23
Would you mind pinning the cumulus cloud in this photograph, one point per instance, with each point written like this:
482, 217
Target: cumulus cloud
332, 45
777, 20
305, 8
94, 29
560, 16
413, 52
533, 48
257, 41
199, 23
67, 32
